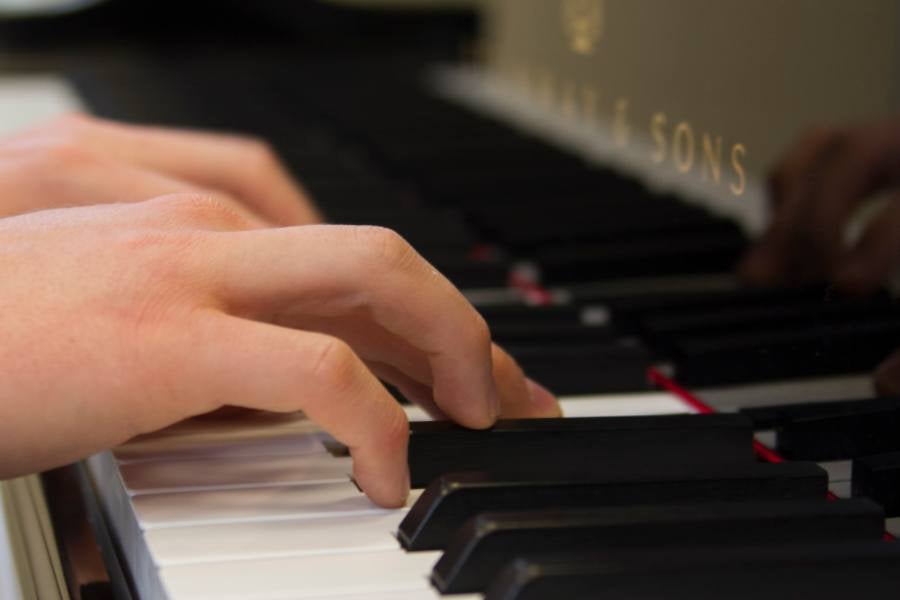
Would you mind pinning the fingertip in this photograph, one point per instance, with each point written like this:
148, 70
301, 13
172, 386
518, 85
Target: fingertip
384, 488
543, 401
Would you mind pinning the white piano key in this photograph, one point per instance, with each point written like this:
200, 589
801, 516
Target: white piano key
234, 473
619, 405
237, 419
229, 442
893, 526
767, 438
253, 504
602, 405
429, 594
841, 489
254, 540
364, 574
839, 471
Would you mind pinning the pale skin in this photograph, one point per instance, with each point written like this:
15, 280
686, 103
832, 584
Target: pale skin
815, 188
150, 275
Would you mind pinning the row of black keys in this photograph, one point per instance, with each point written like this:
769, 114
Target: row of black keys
449, 179
535, 507
710, 338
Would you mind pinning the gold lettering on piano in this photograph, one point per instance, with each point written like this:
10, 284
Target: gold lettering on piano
712, 159
738, 151
683, 147
687, 148
582, 22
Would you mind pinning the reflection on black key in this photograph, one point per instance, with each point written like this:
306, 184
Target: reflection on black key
830, 349
824, 571
878, 477
538, 447
650, 257
770, 417
584, 366
488, 542
843, 432
449, 501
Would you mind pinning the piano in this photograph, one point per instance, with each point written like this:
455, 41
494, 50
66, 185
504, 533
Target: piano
589, 172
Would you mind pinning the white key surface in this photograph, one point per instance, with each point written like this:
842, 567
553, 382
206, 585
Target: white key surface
275, 538
253, 504
304, 577
234, 472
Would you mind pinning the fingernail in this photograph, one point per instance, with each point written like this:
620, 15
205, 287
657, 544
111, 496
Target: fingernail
543, 399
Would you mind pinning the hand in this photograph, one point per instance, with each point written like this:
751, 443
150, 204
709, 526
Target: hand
121, 319
78, 160
815, 189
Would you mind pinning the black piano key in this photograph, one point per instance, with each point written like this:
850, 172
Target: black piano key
523, 315
491, 540
467, 274
584, 367
770, 417
825, 571
636, 307
843, 432
782, 354
733, 319
452, 499
652, 256
878, 477
538, 447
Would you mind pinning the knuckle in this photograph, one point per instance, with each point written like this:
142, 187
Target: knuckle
396, 428
479, 332
202, 207
334, 363
258, 152
67, 154
385, 246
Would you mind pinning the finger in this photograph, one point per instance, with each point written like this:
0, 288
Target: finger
864, 165
243, 167
335, 270
798, 163
520, 398
412, 390
238, 362
781, 253
876, 255
887, 377
66, 177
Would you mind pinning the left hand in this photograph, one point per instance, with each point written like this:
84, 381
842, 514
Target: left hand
77, 160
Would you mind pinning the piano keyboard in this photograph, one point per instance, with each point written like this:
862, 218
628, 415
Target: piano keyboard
261, 509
